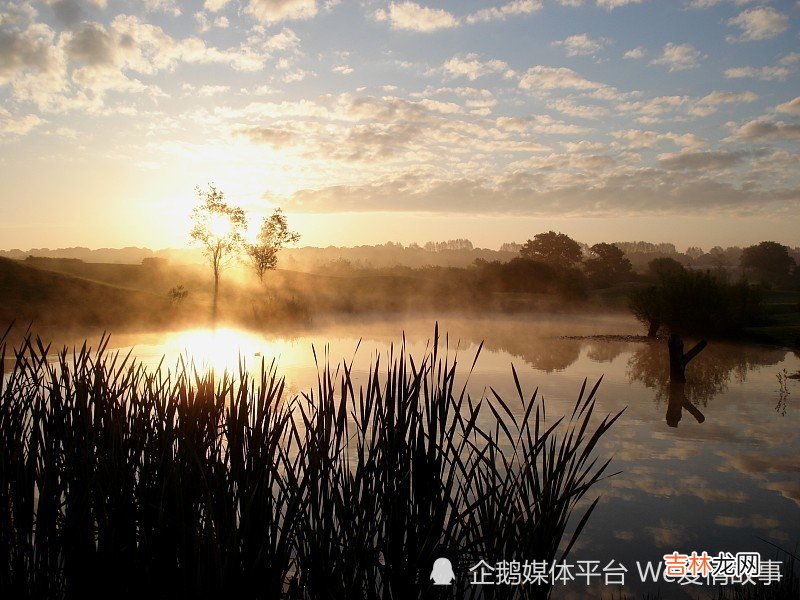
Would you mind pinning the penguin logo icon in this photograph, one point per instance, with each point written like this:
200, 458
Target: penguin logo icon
442, 573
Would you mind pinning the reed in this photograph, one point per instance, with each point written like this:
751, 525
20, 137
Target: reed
177, 483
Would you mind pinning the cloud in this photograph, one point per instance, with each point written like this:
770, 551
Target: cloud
582, 45
678, 57
167, 6
761, 129
761, 23
271, 11
652, 111
717, 98
700, 161
411, 16
499, 13
710, 3
68, 12
564, 185
763, 73
541, 77
637, 139
584, 111
792, 107
11, 125
91, 45
472, 67
635, 53
215, 5
612, 4
26, 50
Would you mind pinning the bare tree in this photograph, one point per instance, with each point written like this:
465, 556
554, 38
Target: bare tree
218, 229
272, 237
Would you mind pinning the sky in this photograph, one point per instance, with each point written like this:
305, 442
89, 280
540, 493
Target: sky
368, 121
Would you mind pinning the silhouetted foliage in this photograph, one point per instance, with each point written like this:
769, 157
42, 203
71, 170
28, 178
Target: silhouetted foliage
768, 262
553, 248
272, 237
189, 484
217, 229
178, 294
522, 275
665, 267
454, 245
607, 265
697, 303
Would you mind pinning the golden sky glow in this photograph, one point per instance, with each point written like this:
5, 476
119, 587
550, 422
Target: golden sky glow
372, 121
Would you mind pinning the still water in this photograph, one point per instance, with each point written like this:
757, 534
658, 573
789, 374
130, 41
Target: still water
715, 468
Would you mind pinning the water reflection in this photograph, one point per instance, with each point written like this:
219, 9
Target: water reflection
708, 375
717, 485
677, 402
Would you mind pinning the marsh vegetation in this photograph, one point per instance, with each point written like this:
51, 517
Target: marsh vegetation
194, 484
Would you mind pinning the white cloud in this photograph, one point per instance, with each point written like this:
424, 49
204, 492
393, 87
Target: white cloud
541, 77
582, 45
710, 3
792, 107
612, 4
584, 111
653, 110
636, 53
498, 13
167, 6
761, 23
472, 67
678, 57
762, 129
717, 98
215, 5
271, 11
11, 125
411, 16
763, 73
638, 139
343, 69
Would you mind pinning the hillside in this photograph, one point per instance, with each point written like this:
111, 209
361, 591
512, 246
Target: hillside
56, 299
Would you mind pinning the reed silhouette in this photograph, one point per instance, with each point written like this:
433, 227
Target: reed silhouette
181, 484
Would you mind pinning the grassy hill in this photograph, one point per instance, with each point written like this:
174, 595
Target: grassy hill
56, 299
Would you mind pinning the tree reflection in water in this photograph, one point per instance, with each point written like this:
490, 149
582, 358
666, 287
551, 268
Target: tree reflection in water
708, 375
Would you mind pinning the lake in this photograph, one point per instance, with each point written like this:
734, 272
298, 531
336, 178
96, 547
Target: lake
714, 469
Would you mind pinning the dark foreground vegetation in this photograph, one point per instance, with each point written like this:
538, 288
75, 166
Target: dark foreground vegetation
179, 484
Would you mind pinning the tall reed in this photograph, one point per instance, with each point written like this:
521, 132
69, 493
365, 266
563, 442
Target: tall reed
176, 483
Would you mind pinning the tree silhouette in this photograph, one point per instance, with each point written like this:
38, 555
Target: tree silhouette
556, 249
217, 229
769, 261
607, 265
273, 235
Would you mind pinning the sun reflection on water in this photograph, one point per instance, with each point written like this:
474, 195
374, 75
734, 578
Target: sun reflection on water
221, 349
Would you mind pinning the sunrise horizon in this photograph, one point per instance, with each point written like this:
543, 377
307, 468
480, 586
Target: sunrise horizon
608, 120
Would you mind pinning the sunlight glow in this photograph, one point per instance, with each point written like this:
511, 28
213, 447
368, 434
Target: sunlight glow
223, 349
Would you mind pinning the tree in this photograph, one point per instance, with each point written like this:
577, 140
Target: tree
217, 229
553, 248
272, 237
665, 267
697, 303
769, 261
607, 265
